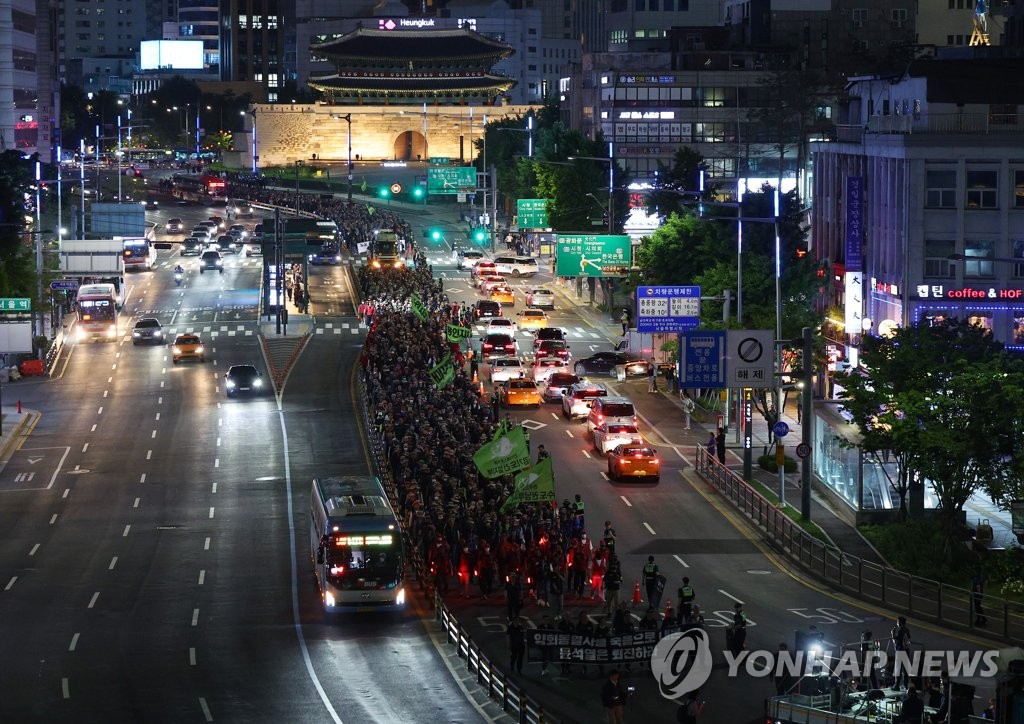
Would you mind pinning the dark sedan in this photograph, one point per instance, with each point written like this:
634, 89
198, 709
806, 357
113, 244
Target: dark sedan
243, 378
606, 362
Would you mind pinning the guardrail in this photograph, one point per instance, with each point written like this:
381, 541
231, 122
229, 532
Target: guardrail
912, 595
510, 697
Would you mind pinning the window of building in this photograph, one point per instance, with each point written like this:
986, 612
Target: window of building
1018, 253
272, 22
898, 16
978, 256
941, 189
859, 15
937, 264
722, 167
713, 97
1018, 189
981, 190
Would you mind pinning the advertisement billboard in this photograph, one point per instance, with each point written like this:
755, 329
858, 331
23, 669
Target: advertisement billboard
171, 55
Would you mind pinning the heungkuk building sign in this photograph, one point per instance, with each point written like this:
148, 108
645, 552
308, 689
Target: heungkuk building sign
991, 294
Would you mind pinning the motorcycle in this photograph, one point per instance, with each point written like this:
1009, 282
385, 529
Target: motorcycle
178, 277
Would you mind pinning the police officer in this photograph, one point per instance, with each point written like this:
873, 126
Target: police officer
578, 507
650, 578
686, 596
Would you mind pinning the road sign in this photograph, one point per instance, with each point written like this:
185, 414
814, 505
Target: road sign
532, 214
15, 304
803, 450
750, 357
440, 161
396, 188
66, 285
702, 359
591, 255
780, 429
451, 179
667, 309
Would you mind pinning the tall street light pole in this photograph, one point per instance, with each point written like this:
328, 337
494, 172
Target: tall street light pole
298, 165
348, 119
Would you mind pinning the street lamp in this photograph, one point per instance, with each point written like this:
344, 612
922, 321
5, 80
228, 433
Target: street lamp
611, 181
298, 164
348, 119
527, 130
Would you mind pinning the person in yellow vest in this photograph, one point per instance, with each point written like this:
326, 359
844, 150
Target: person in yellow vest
686, 596
650, 576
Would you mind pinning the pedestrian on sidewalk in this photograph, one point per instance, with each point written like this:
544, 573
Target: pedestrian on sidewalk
652, 377
624, 319
288, 289
688, 407
712, 445
670, 379
516, 644
720, 445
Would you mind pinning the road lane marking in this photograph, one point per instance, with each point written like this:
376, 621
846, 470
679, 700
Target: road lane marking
65, 688
202, 577
195, 616
211, 511
67, 492
569, 433
93, 428
53, 519
215, 488
149, 454
74, 642
681, 561
218, 442
92, 601
192, 656
113, 562
729, 595
586, 454
649, 528
206, 544
681, 455
136, 503
206, 709
158, 416
126, 529
153, 435
626, 501
85, 447
142, 478
106, 392
34, 549
100, 411
216, 462
10, 583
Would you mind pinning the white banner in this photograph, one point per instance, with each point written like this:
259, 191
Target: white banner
854, 303
363, 247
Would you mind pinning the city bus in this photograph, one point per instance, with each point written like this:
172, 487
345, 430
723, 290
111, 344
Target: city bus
139, 254
356, 545
96, 307
206, 186
386, 249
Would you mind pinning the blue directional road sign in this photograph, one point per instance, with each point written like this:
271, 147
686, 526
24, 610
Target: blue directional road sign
66, 285
780, 429
702, 359
667, 309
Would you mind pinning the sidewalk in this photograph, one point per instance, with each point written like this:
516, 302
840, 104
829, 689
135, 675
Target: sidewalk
13, 425
843, 535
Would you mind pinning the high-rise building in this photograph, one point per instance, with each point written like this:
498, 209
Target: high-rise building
29, 98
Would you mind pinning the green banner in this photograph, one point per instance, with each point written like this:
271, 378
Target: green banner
443, 373
592, 255
456, 333
419, 309
503, 455
534, 485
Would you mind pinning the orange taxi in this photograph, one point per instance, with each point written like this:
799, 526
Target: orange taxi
187, 346
503, 295
634, 461
532, 319
515, 393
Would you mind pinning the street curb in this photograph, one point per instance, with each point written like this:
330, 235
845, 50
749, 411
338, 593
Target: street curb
14, 438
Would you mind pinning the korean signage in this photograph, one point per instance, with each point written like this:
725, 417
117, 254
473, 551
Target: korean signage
750, 358
533, 214
9, 304
451, 179
702, 359
591, 255
991, 294
854, 302
854, 226
667, 309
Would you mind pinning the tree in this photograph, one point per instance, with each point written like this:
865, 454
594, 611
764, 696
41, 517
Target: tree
933, 399
676, 183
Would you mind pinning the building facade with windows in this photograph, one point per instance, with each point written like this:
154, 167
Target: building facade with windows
919, 203
29, 90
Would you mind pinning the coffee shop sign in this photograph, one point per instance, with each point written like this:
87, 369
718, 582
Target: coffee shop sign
938, 291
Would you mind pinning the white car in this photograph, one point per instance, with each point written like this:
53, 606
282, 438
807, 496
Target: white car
540, 298
504, 369
495, 280
576, 401
468, 259
609, 435
547, 366
500, 325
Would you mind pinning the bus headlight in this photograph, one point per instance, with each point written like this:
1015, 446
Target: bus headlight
329, 599
400, 597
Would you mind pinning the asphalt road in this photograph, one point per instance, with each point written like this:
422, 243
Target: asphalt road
688, 529
156, 568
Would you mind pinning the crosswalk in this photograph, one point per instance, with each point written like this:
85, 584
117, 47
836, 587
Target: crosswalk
212, 331
340, 328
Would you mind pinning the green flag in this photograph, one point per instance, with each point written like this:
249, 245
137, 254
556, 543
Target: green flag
418, 308
533, 485
503, 455
443, 373
457, 334
500, 430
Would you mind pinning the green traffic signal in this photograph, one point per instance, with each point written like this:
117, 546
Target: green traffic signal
436, 234
480, 234
384, 192
418, 192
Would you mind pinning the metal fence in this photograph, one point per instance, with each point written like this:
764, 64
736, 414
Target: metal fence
510, 697
912, 595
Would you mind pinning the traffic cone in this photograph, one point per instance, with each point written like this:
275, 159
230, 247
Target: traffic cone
669, 613
636, 593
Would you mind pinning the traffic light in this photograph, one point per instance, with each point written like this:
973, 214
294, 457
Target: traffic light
480, 234
436, 234
418, 192
384, 192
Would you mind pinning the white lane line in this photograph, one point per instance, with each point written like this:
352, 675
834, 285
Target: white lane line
67, 492
85, 447
624, 500
569, 433
206, 545
683, 563
161, 383
154, 434
159, 400
105, 392
211, 511
34, 549
586, 454
206, 709
126, 529
110, 379
216, 462
74, 642
681, 455
158, 416
92, 601
192, 656
10, 583
149, 454
195, 616
93, 428
215, 488
65, 688
649, 528
554, 415
113, 562
136, 503
202, 577
100, 411
142, 478
218, 442
53, 519
726, 593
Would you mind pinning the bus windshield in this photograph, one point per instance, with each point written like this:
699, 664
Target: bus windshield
364, 561
95, 309
386, 247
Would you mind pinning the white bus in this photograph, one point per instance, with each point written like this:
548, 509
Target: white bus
356, 545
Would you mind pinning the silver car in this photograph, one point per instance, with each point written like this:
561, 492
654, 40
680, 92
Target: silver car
609, 435
504, 369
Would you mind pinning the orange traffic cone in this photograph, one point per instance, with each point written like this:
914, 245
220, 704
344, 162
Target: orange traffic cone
475, 377
669, 613
636, 594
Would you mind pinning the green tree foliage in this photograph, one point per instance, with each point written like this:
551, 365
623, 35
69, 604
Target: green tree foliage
939, 402
677, 183
17, 266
